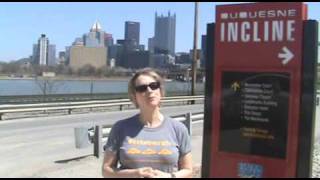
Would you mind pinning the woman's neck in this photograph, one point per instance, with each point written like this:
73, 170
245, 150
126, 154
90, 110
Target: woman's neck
151, 117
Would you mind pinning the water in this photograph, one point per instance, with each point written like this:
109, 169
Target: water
32, 87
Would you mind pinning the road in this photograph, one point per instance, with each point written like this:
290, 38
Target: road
45, 146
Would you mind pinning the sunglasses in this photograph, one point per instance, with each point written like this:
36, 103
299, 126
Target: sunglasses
143, 88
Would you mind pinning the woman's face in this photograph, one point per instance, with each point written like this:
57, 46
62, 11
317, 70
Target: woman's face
148, 92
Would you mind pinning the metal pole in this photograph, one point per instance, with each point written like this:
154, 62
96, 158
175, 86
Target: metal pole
44, 90
97, 146
91, 89
194, 61
188, 122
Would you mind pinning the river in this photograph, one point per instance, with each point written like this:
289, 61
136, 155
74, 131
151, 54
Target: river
14, 87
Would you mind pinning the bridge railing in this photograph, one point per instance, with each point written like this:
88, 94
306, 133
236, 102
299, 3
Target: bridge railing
99, 134
70, 106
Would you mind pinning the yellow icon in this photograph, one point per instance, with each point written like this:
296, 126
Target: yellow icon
165, 152
235, 86
149, 152
134, 151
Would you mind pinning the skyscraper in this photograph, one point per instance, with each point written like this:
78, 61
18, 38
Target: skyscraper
91, 51
165, 34
108, 40
132, 31
52, 55
62, 57
35, 54
95, 38
44, 53
43, 44
151, 45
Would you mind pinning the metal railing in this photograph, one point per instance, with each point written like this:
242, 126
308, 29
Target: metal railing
70, 106
98, 135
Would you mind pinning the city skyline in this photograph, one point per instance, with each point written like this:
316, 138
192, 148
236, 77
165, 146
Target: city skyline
23, 23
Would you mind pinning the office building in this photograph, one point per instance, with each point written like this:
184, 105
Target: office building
44, 54
68, 55
165, 34
43, 44
161, 60
90, 50
151, 45
132, 31
62, 57
108, 40
52, 55
128, 44
116, 53
82, 56
138, 59
183, 58
95, 38
35, 54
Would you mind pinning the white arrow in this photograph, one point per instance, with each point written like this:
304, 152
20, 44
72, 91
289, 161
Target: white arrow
286, 55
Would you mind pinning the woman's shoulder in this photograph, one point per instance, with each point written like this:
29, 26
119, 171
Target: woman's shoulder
175, 123
178, 128
126, 122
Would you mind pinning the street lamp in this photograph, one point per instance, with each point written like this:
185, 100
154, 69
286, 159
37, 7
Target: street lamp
194, 61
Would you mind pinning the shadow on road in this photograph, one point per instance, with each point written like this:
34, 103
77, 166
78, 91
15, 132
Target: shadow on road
73, 159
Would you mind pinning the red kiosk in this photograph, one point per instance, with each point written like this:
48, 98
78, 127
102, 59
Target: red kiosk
256, 94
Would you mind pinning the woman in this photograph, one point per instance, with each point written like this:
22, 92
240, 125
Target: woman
149, 144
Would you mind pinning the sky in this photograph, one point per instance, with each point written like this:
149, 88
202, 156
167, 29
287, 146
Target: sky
22, 23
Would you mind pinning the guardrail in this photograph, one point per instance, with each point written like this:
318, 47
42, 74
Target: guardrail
98, 135
70, 106
28, 99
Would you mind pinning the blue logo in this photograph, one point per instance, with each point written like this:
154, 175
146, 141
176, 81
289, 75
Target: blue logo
250, 170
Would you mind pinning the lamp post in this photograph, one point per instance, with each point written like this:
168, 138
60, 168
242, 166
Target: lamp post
194, 60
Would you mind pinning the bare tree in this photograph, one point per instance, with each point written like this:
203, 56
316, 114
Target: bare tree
47, 85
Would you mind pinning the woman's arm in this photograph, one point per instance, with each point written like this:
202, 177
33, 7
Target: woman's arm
185, 166
109, 168
185, 169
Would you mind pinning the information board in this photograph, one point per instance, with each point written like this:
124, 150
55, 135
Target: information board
256, 89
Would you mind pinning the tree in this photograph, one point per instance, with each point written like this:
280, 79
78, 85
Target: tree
47, 85
87, 70
11, 68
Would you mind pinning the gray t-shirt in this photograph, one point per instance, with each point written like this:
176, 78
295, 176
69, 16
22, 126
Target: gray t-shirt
138, 146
